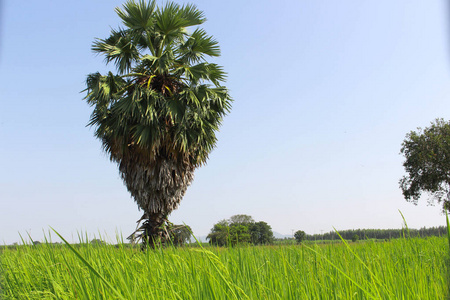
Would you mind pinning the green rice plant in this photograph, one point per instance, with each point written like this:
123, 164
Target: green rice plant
90, 267
448, 257
448, 228
407, 268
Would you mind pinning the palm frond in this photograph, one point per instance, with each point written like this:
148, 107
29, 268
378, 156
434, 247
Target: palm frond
173, 17
197, 46
204, 72
138, 15
118, 48
192, 15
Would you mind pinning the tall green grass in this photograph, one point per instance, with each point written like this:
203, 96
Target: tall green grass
409, 268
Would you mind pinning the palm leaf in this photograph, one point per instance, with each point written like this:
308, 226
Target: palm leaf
138, 16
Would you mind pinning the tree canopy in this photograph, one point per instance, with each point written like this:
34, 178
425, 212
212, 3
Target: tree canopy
299, 236
427, 164
157, 117
181, 234
240, 229
241, 219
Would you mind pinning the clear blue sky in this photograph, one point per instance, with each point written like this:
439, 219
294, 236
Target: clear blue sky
325, 92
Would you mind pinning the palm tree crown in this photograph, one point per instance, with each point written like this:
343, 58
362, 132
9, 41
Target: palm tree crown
157, 117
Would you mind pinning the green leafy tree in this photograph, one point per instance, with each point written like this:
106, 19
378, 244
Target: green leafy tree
299, 236
181, 234
239, 234
157, 117
427, 153
261, 233
219, 233
355, 237
240, 229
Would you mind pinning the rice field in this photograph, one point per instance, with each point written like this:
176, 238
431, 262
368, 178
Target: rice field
407, 268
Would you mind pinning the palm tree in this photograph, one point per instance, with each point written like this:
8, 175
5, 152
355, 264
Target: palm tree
157, 117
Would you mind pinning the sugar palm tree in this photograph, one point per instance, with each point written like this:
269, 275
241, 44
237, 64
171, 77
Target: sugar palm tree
157, 117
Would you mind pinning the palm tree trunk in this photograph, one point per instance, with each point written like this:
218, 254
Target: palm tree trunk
157, 189
155, 231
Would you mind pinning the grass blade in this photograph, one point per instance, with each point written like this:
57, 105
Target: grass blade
85, 262
448, 229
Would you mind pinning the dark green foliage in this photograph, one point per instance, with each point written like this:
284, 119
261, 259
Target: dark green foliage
240, 229
299, 236
239, 234
180, 234
261, 233
219, 233
97, 242
427, 153
355, 237
166, 99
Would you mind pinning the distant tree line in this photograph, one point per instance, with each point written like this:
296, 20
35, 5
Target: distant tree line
240, 229
363, 234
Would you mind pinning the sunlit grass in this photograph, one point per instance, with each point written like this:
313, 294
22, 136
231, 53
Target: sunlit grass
398, 269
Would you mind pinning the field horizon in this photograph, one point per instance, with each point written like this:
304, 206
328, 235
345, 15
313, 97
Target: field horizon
404, 268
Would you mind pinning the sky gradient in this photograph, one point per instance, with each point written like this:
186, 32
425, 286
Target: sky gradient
324, 94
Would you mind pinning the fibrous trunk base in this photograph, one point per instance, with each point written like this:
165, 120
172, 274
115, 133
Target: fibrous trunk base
153, 232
